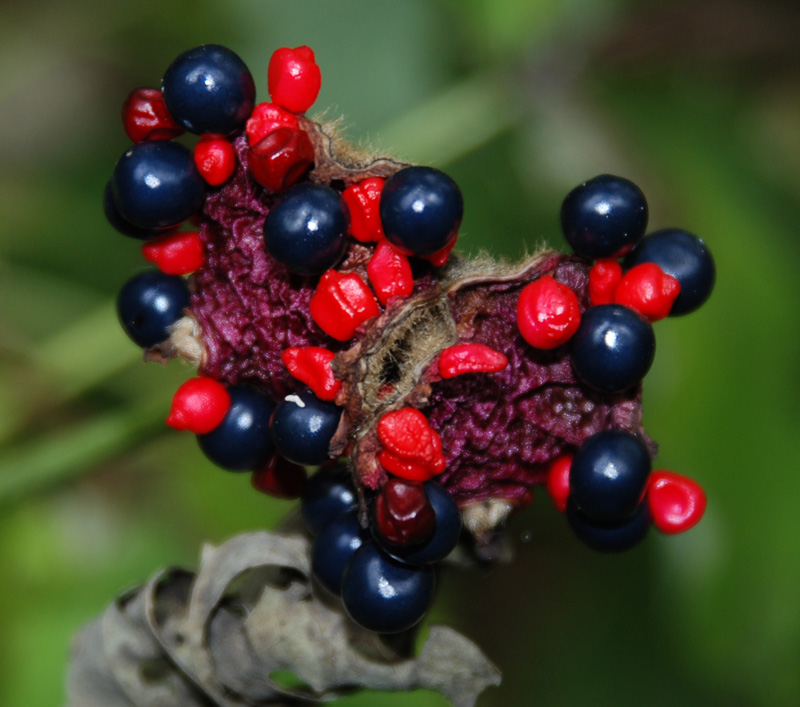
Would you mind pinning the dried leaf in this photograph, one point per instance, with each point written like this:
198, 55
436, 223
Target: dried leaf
229, 635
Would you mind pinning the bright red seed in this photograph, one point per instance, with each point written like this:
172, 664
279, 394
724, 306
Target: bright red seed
389, 273
265, 118
547, 313
676, 503
440, 257
411, 447
363, 201
648, 290
604, 277
178, 253
403, 513
145, 116
470, 358
558, 481
294, 78
278, 160
199, 405
280, 478
215, 159
342, 303
312, 366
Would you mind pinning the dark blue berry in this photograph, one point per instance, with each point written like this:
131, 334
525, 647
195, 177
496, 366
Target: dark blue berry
608, 475
126, 228
209, 89
421, 209
383, 595
156, 185
149, 304
306, 230
613, 348
242, 441
610, 537
604, 216
445, 535
327, 494
333, 548
686, 258
303, 426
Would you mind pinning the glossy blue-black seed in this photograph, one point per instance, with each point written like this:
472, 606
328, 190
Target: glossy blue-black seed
303, 426
242, 441
383, 595
684, 256
333, 548
421, 209
601, 217
149, 304
126, 228
445, 535
610, 537
306, 230
209, 89
613, 348
326, 495
156, 185
608, 475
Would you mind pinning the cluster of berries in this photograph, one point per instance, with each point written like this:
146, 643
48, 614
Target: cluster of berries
307, 269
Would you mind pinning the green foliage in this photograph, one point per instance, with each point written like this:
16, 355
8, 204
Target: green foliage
520, 101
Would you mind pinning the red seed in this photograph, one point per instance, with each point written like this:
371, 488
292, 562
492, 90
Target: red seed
199, 405
175, 253
294, 78
403, 513
558, 481
312, 366
648, 290
604, 277
145, 116
440, 257
342, 303
470, 358
547, 313
389, 273
280, 478
363, 202
411, 448
215, 159
279, 160
676, 503
265, 118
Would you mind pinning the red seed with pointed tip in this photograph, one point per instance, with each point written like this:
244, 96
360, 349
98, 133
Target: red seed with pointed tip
145, 116
676, 502
280, 478
199, 405
604, 276
279, 160
548, 313
403, 513
215, 159
470, 358
342, 302
558, 481
175, 253
411, 447
389, 273
648, 290
363, 201
265, 118
294, 78
312, 366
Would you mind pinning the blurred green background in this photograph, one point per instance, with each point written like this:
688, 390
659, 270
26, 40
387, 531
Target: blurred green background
520, 100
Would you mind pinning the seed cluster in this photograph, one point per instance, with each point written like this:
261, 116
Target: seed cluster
332, 327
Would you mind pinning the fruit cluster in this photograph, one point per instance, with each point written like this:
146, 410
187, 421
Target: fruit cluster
333, 327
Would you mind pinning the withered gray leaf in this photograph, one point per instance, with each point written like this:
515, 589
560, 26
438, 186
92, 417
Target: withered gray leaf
249, 628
